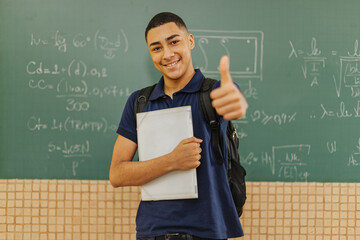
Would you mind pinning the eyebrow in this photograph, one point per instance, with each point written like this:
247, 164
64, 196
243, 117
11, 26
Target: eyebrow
167, 39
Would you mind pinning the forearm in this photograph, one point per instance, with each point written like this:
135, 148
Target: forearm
129, 173
124, 172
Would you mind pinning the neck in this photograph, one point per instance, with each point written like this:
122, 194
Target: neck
172, 86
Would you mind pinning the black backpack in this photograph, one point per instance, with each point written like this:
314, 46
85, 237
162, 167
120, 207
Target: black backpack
235, 172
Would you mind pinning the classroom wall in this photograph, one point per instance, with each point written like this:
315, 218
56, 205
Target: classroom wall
94, 210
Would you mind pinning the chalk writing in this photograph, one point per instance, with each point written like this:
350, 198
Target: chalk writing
213, 44
313, 63
69, 124
57, 40
77, 88
249, 159
249, 90
354, 158
71, 150
292, 159
268, 160
342, 112
356, 52
350, 75
241, 133
99, 41
265, 118
287, 162
74, 68
77, 106
294, 173
331, 146
314, 50
76, 83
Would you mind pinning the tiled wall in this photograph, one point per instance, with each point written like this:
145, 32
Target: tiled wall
311, 211
93, 210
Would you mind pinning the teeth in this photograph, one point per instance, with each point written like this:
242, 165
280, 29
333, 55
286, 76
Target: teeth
172, 64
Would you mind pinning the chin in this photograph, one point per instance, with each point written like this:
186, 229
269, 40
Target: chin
172, 75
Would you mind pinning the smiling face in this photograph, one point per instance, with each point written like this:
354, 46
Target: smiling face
170, 50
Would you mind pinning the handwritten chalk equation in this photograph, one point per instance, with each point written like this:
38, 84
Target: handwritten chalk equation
65, 88
76, 68
99, 41
314, 67
341, 112
249, 90
349, 73
313, 63
265, 119
76, 153
279, 119
69, 150
245, 49
287, 162
70, 124
349, 76
354, 158
291, 160
260, 116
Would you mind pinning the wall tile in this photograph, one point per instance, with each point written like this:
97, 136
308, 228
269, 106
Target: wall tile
69, 209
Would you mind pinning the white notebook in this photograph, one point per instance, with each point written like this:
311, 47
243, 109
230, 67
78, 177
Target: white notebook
159, 132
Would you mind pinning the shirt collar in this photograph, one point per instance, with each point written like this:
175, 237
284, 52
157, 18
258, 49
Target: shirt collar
193, 86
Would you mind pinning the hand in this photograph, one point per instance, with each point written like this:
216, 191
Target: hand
228, 101
186, 154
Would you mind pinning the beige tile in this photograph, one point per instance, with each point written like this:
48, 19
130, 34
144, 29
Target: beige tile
44, 187
95, 210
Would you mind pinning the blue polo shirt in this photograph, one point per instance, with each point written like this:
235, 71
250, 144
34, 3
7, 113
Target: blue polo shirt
213, 214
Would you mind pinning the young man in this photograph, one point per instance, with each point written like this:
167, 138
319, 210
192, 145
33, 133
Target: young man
213, 214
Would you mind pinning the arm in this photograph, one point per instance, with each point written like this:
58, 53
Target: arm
125, 172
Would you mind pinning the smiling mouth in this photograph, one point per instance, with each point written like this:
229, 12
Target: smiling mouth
170, 65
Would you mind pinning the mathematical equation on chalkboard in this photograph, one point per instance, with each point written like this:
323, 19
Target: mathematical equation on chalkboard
74, 84
70, 124
67, 84
74, 68
109, 45
313, 67
290, 162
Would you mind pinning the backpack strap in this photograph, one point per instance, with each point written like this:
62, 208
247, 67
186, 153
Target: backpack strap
142, 99
211, 117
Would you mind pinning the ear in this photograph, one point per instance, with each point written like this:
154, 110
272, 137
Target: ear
191, 41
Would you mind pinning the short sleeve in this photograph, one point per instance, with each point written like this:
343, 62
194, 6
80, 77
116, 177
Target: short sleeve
127, 126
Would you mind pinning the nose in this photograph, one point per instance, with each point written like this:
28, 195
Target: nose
168, 53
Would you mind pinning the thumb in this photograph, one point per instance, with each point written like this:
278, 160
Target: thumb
192, 139
224, 70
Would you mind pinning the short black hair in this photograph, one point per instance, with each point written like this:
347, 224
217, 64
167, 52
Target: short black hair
162, 18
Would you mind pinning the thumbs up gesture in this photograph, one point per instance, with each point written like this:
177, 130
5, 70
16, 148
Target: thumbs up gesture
227, 100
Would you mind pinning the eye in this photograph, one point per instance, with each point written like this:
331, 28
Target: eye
155, 49
174, 42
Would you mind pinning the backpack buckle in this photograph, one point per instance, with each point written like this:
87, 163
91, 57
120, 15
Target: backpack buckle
141, 99
214, 124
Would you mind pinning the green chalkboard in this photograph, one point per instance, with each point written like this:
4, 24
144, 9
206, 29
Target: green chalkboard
67, 68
